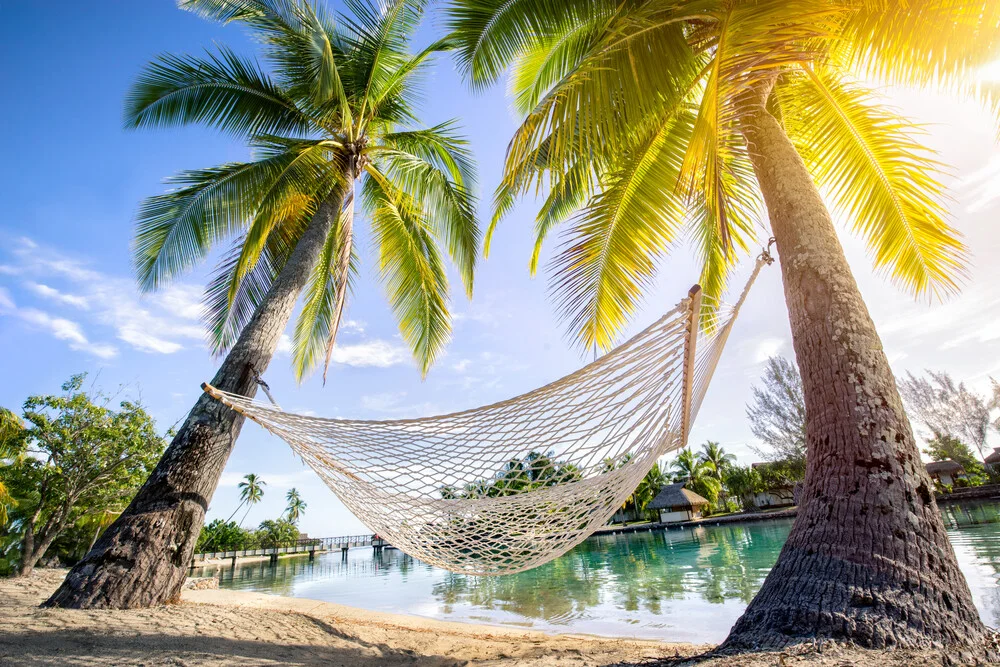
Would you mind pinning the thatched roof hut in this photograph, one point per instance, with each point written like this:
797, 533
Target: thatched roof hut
674, 497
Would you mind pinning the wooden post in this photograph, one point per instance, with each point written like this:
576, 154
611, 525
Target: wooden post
690, 345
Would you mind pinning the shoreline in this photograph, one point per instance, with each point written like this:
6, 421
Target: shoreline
211, 628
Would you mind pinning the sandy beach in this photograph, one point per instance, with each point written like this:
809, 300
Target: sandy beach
218, 627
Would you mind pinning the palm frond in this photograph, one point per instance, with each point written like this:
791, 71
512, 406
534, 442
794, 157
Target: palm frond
410, 266
448, 204
545, 61
381, 36
233, 296
570, 193
10, 427
392, 98
325, 294
879, 175
614, 244
721, 221
177, 229
222, 91
493, 33
922, 43
311, 169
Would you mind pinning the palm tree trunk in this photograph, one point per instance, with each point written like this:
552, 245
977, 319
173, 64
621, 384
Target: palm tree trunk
143, 557
867, 559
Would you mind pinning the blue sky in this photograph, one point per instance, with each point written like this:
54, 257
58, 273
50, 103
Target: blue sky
72, 180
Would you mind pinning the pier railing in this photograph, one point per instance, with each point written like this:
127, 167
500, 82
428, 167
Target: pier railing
310, 545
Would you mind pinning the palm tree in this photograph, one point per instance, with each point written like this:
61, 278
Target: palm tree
650, 485
334, 123
700, 475
665, 121
251, 493
712, 452
296, 506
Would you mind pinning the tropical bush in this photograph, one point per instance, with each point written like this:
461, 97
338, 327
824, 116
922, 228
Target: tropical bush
222, 535
276, 533
71, 467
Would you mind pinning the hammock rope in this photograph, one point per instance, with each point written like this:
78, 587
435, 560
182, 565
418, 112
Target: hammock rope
506, 487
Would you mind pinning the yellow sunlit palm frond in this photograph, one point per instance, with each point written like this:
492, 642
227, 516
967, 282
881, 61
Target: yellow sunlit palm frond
878, 175
591, 82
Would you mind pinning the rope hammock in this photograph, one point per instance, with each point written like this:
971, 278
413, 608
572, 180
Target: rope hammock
509, 486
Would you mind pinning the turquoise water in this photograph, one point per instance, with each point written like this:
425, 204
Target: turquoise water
677, 585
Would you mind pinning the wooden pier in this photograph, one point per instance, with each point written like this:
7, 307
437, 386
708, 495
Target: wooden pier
310, 546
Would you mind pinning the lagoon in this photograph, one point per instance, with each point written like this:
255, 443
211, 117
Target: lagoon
678, 585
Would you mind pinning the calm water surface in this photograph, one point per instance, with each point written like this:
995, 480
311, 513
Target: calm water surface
679, 585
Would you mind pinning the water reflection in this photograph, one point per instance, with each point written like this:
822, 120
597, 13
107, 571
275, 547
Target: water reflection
685, 585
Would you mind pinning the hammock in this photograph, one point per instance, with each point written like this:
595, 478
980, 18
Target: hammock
509, 486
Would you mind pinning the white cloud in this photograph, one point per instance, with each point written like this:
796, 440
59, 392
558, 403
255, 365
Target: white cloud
384, 402
66, 330
161, 323
394, 404
461, 366
183, 301
139, 338
53, 294
767, 348
374, 353
982, 186
6, 303
377, 353
353, 326
284, 345
164, 322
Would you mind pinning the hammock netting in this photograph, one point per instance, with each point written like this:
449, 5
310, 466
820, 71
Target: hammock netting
509, 486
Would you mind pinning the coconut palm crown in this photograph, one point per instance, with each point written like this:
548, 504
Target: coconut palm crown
632, 129
335, 109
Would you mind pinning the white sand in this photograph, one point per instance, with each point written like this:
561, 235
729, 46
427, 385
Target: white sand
218, 627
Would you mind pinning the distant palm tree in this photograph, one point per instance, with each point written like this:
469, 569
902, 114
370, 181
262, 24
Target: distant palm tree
649, 487
332, 122
712, 452
700, 475
296, 506
251, 493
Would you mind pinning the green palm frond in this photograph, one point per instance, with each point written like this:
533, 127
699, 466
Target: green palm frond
594, 110
871, 164
392, 99
382, 37
409, 266
493, 33
232, 296
177, 229
722, 223
570, 194
426, 175
616, 241
10, 428
222, 91
325, 296
310, 170
548, 59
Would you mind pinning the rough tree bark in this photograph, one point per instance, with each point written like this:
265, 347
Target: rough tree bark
142, 558
867, 559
